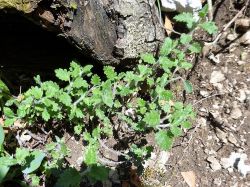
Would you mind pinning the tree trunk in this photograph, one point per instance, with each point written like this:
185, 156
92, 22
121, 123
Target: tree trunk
110, 31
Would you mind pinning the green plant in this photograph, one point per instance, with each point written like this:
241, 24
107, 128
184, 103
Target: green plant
135, 102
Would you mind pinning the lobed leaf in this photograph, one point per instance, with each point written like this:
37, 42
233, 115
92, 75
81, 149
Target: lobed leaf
164, 139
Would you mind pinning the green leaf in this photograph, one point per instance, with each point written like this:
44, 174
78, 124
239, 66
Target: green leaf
75, 69
187, 18
143, 70
124, 91
188, 86
45, 115
98, 173
3, 172
176, 131
8, 112
186, 65
1, 136
78, 129
62, 74
166, 95
203, 12
186, 124
178, 105
148, 58
33, 161
209, 27
166, 47
36, 92
21, 154
65, 99
87, 69
110, 72
107, 98
152, 118
4, 90
79, 82
164, 139
69, 178
141, 102
9, 121
90, 155
95, 80
167, 63
107, 94
195, 47
73, 5
35, 180
185, 38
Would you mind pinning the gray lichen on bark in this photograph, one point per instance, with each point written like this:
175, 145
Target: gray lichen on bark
139, 30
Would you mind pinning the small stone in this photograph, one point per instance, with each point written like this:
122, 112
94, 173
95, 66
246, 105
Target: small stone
204, 93
79, 161
232, 139
214, 163
231, 37
236, 113
202, 109
245, 39
202, 122
242, 24
25, 137
162, 159
242, 96
221, 135
241, 62
217, 76
225, 163
220, 87
244, 56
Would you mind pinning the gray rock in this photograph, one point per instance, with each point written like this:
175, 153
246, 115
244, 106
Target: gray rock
245, 39
232, 139
214, 163
204, 93
236, 113
241, 62
217, 76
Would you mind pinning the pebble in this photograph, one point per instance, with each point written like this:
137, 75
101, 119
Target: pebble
244, 56
220, 87
241, 62
202, 122
204, 93
232, 139
214, 163
79, 161
245, 39
231, 37
236, 113
221, 135
242, 95
243, 24
216, 77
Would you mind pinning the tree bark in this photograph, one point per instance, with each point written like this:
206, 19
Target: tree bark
110, 31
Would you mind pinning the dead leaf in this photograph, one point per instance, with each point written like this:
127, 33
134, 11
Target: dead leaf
189, 178
168, 26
